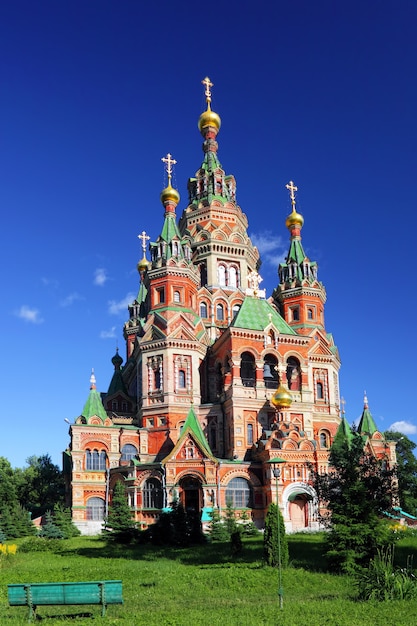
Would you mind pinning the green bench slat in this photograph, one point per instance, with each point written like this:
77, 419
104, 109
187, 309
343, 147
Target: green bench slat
66, 593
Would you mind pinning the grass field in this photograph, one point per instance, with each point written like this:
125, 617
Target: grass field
201, 586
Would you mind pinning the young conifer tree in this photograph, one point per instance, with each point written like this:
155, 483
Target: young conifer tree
271, 547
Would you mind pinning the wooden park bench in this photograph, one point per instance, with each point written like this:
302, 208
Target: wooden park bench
101, 592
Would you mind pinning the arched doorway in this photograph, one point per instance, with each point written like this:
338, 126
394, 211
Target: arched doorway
191, 494
298, 510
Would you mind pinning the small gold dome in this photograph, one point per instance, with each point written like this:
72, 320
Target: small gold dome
143, 265
209, 118
169, 194
294, 218
282, 398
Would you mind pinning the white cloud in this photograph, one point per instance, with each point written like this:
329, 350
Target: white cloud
100, 276
271, 248
108, 334
115, 308
404, 427
29, 315
70, 299
50, 282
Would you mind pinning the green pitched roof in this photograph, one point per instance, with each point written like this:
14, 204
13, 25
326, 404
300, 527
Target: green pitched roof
367, 424
192, 426
344, 435
257, 314
94, 405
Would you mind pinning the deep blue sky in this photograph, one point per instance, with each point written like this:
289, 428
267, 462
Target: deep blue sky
93, 93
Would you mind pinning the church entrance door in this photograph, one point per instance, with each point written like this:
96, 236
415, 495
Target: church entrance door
299, 512
191, 494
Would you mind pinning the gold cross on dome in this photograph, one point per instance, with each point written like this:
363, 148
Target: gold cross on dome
292, 189
207, 83
144, 237
169, 162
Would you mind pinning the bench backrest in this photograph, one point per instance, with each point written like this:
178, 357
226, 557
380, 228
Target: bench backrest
92, 592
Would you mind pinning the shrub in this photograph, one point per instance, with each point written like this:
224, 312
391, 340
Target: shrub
271, 546
382, 581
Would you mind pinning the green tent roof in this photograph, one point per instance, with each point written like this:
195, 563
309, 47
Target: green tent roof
257, 314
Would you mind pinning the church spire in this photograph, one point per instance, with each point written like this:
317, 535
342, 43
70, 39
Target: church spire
367, 424
210, 181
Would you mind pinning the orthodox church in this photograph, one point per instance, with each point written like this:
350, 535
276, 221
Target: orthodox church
220, 384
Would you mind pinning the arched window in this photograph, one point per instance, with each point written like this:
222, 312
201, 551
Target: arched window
238, 493
221, 274
95, 460
249, 434
232, 276
235, 309
247, 370
95, 509
220, 312
324, 440
203, 310
295, 314
129, 452
270, 372
152, 494
181, 379
293, 374
310, 314
319, 391
177, 297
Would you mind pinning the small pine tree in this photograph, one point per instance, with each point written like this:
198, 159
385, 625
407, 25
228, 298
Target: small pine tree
62, 519
218, 530
271, 547
49, 530
230, 519
119, 519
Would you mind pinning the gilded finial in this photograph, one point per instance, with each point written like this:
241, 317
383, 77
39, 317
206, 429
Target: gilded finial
169, 162
143, 263
209, 119
144, 238
292, 189
294, 218
169, 195
207, 83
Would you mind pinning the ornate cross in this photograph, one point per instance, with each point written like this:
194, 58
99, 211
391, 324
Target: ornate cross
207, 83
292, 189
169, 162
144, 237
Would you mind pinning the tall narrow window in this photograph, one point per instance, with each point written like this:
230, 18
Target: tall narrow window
152, 494
177, 296
221, 274
232, 276
220, 312
250, 434
203, 310
319, 391
181, 379
247, 369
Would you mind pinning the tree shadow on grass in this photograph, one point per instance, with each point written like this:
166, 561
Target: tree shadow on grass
308, 552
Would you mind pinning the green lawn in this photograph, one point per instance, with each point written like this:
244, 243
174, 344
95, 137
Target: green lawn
201, 586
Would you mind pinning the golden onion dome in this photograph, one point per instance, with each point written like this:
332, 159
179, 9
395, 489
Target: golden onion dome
209, 118
143, 265
282, 398
171, 195
294, 219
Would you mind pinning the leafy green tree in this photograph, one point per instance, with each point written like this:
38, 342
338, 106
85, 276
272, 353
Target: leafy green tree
357, 491
271, 549
406, 470
40, 486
